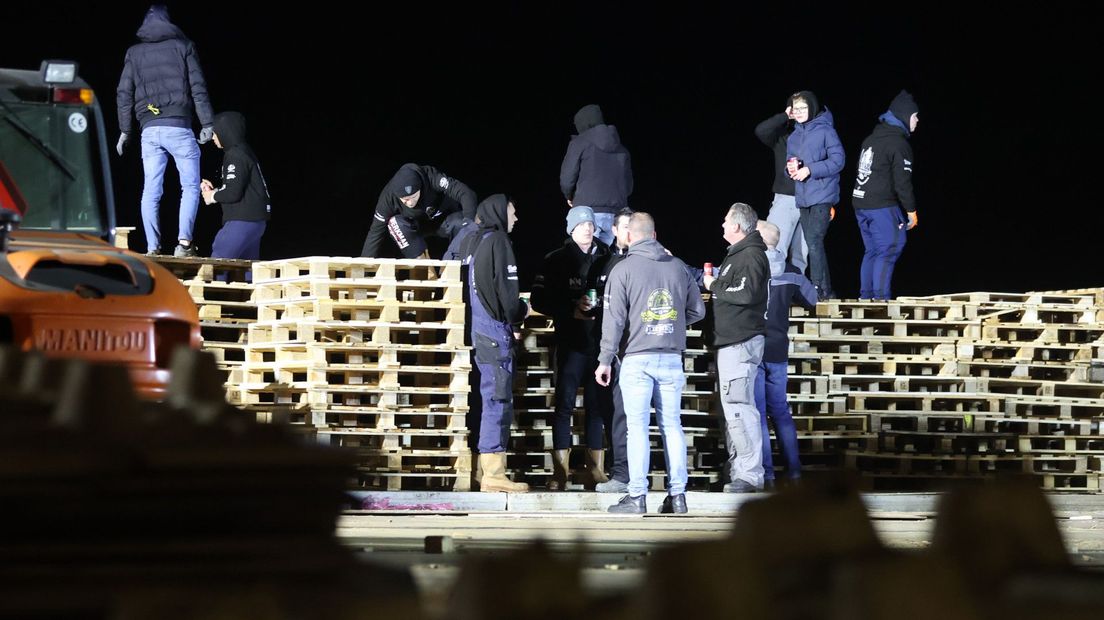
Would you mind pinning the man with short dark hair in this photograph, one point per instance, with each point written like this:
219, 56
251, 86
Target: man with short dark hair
651, 295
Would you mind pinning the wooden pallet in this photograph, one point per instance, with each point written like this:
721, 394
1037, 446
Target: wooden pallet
352, 418
342, 268
349, 332
361, 310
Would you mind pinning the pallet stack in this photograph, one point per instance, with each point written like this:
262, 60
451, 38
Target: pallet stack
223, 294
962, 386
534, 403
367, 354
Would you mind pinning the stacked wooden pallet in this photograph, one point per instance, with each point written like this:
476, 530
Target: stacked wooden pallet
534, 403
961, 386
223, 294
370, 355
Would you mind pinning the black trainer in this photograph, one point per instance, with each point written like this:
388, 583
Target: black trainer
674, 504
739, 486
185, 251
631, 505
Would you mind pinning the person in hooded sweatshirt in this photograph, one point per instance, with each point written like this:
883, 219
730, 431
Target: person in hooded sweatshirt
883, 187
597, 171
815, 159
649, 294
560, 291
162, 85
246, 206
496, 309
787, 287
740, 289
418, 202
784, 213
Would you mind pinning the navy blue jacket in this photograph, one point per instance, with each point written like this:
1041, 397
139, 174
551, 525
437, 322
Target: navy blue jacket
597, 170
787, 287
816, 143
162, 82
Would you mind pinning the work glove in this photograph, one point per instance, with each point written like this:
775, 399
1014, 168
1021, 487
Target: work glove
123, 137
205, 134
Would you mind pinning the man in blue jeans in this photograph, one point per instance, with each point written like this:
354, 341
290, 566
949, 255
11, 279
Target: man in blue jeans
787, 286
162, 84
597, 171
651, 295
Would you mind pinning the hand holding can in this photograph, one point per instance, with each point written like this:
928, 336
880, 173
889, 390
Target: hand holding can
707, 269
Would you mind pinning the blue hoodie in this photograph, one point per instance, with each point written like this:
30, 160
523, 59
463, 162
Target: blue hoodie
816, 143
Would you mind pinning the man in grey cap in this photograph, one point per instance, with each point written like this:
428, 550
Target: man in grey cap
560, 291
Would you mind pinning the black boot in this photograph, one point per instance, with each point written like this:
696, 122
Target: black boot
631, 505
674, 504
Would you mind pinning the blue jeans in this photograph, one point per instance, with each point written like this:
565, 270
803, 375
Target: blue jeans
158, 143
770, 400
604, 223
814, 223
791, 239
646, 377
883, 234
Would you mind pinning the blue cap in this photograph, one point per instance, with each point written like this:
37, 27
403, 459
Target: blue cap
578, 215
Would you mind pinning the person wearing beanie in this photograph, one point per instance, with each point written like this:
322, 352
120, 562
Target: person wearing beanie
418, 202
162, 85
497, 311
560, 291
883, 189
597, 171
815, 159
784, 214
246, 206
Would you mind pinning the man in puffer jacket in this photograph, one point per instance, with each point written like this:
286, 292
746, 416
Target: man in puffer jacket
162, 84
815, 159
597, 170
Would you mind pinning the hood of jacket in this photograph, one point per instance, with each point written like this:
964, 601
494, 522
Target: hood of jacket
605, 137
157, 27
777, 261
811, 99
588, 116
230, 129
824, 119
493, 213
649, 249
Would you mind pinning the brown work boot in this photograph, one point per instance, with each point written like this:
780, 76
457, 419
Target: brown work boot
595, 460
494, 475
560, 469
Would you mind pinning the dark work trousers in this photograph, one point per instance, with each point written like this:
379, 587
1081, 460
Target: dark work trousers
239, 239
814, 223
493, 342
883, 234
572, 370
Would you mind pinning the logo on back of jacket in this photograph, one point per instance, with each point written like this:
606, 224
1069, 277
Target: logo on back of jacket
661, 307
866, 162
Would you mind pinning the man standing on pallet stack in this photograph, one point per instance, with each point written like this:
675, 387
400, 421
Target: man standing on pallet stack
651, 295
739, 315
597, 171
560, 291
496, 308
418, 202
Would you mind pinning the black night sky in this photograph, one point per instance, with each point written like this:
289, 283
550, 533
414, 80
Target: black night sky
338, 97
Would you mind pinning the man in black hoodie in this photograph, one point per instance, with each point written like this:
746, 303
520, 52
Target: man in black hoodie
651, 296
162, 84
597, 170
496, 308
559, 291
419, 201
784, 213
883, 188
243, 195
739, 315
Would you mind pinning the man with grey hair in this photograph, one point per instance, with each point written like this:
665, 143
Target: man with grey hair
739, 291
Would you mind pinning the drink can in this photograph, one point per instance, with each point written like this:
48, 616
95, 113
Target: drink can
708, 269
592, 296
792, 164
